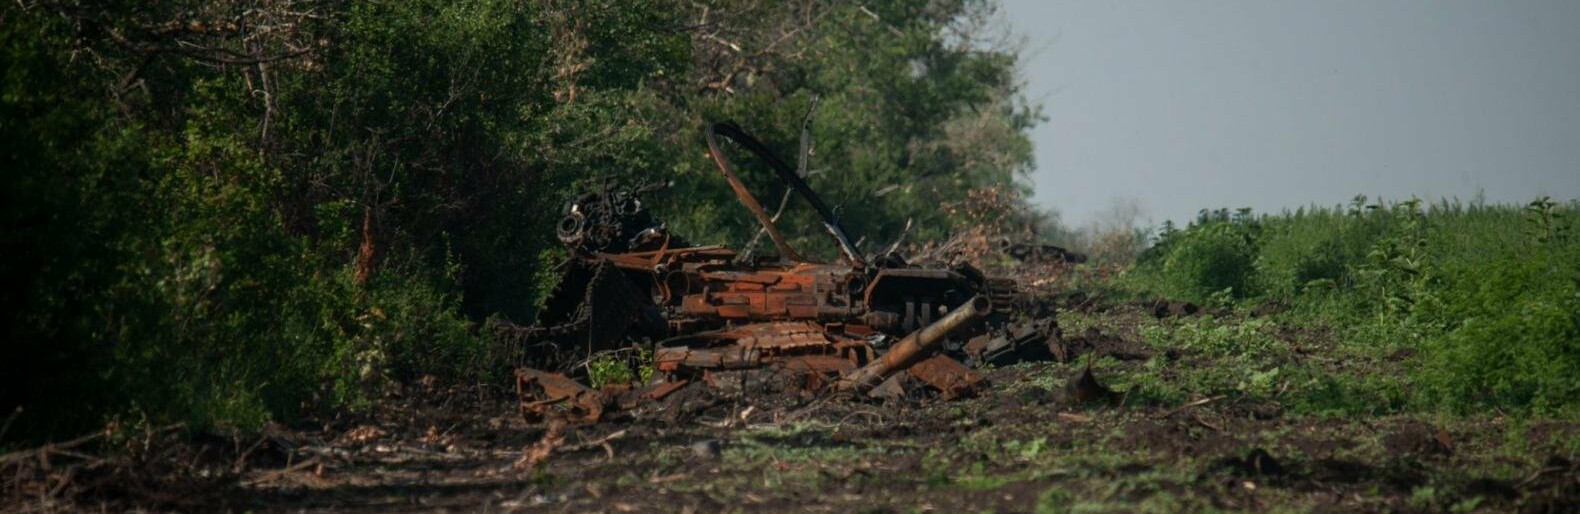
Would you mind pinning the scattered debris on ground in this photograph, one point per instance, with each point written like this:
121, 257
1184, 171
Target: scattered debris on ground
869, 383
1044, 435
707, 316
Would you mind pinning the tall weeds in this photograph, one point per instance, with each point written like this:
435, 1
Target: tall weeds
1484, 298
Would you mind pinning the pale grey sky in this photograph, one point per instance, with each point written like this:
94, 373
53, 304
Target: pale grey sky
1269, 104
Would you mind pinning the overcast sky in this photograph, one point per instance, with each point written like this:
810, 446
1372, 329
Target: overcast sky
1181, 105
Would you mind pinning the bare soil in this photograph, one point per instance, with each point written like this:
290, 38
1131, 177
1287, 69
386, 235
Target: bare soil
1036, 439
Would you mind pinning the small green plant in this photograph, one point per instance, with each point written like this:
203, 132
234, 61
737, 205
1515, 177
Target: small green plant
1227, 338
1055, 500
621, 368
1545, 221
607, 370
1026, 450
1397, 270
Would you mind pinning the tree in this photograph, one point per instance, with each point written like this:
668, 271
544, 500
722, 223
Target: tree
224, 211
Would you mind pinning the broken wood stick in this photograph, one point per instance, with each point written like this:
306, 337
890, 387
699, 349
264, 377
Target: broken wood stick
1188, 405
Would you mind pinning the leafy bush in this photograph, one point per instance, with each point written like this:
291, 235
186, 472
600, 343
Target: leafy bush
1208, 259
1517, 342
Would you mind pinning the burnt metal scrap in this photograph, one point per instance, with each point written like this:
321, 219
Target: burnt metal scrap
704, 314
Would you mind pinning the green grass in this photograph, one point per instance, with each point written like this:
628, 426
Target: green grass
1479, 302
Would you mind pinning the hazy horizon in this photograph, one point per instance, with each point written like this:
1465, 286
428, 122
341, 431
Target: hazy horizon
1180, 106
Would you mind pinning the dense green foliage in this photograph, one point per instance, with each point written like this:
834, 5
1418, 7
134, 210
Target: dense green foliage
1484, 299
234, 211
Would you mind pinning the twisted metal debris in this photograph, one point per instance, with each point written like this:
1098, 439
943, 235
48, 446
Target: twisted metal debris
847, 326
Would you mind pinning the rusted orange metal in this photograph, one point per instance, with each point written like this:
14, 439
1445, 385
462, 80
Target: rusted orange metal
951, 378
671, 360
750, 201
793, 292
631, 396
546, 396
788, 176
659, 391
714, 318
793, 346
916, 346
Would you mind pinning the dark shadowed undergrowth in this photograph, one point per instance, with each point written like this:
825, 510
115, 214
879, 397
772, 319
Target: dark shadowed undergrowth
222, 213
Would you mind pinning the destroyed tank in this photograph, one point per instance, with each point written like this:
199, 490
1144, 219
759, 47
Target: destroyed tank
703, 311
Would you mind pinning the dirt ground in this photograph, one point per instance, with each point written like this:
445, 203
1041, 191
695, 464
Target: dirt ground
1034, 440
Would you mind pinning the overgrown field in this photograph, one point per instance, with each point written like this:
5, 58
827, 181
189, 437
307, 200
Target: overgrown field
1204, 412
1481, 302
1346, 388
1380, 357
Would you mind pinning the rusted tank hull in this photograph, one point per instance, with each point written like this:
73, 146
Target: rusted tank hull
916, 346
707, 314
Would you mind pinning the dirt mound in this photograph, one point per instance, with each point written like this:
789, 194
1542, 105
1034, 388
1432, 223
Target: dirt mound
1085, 389
1417, 439
1161, 308
1255, 463
1095, 344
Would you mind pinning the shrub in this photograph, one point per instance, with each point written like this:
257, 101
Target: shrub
1519, 342
1209, 259
1308, 249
